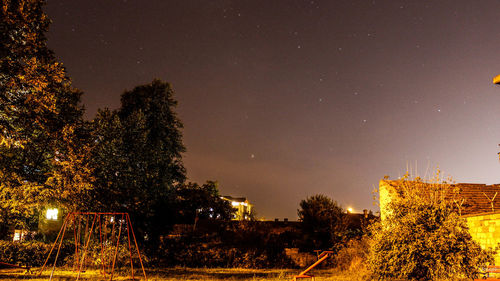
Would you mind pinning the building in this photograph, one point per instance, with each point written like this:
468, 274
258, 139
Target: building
50, 221
242, 206
478, 204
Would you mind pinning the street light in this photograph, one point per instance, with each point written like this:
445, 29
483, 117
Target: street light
496, 79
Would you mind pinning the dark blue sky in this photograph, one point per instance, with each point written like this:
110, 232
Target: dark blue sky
286, 99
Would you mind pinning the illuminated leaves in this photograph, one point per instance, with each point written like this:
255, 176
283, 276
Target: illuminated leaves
423, 237
42, 157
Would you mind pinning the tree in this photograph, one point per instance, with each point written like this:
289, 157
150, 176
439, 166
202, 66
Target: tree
423, 237
195, 202
40, 113
138, 157
323, 222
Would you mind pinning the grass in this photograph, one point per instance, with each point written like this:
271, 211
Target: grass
191, 274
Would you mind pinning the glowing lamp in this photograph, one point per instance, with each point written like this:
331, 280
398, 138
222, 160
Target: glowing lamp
52, 214
496, 79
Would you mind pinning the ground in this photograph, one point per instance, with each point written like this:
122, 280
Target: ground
192, 274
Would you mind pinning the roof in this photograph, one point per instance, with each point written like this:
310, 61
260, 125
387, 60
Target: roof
235, 199
479, 198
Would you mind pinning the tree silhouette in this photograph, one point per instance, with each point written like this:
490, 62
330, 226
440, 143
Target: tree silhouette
40, 116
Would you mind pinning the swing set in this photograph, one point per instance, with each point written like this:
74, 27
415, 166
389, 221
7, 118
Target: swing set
109, 226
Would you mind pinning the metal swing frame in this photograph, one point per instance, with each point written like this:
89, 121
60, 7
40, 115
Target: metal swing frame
75, 218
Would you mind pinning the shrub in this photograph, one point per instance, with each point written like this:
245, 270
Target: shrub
422, 237
31, 253
211, 252
94, 256
353, 255
34, 253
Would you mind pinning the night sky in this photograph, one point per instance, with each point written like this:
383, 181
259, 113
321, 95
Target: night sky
286, 99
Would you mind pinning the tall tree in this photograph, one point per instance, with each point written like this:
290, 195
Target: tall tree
323, 222
39, 115
138, 156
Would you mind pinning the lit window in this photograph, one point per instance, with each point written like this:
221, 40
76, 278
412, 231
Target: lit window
19, 234
52, 214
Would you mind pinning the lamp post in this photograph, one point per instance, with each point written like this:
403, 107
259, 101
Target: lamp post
496, 81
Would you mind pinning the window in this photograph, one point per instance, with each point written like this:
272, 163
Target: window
52, 214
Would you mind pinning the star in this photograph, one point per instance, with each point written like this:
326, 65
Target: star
252, 156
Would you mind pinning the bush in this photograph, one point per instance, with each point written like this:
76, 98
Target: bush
34, 253
31, 253
94, 256
353, 255
423, 237
212, 252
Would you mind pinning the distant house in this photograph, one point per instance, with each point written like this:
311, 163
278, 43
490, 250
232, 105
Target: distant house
478, 204
242, 206
50, 220
359, 221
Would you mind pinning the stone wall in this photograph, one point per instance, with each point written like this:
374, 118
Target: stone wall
386, 192
485, 229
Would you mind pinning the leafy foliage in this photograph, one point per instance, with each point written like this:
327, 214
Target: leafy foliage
127, 160
193, 202
353, 256
31, 253
243, 244
137, 157
423, 237
40, 115
323, 222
